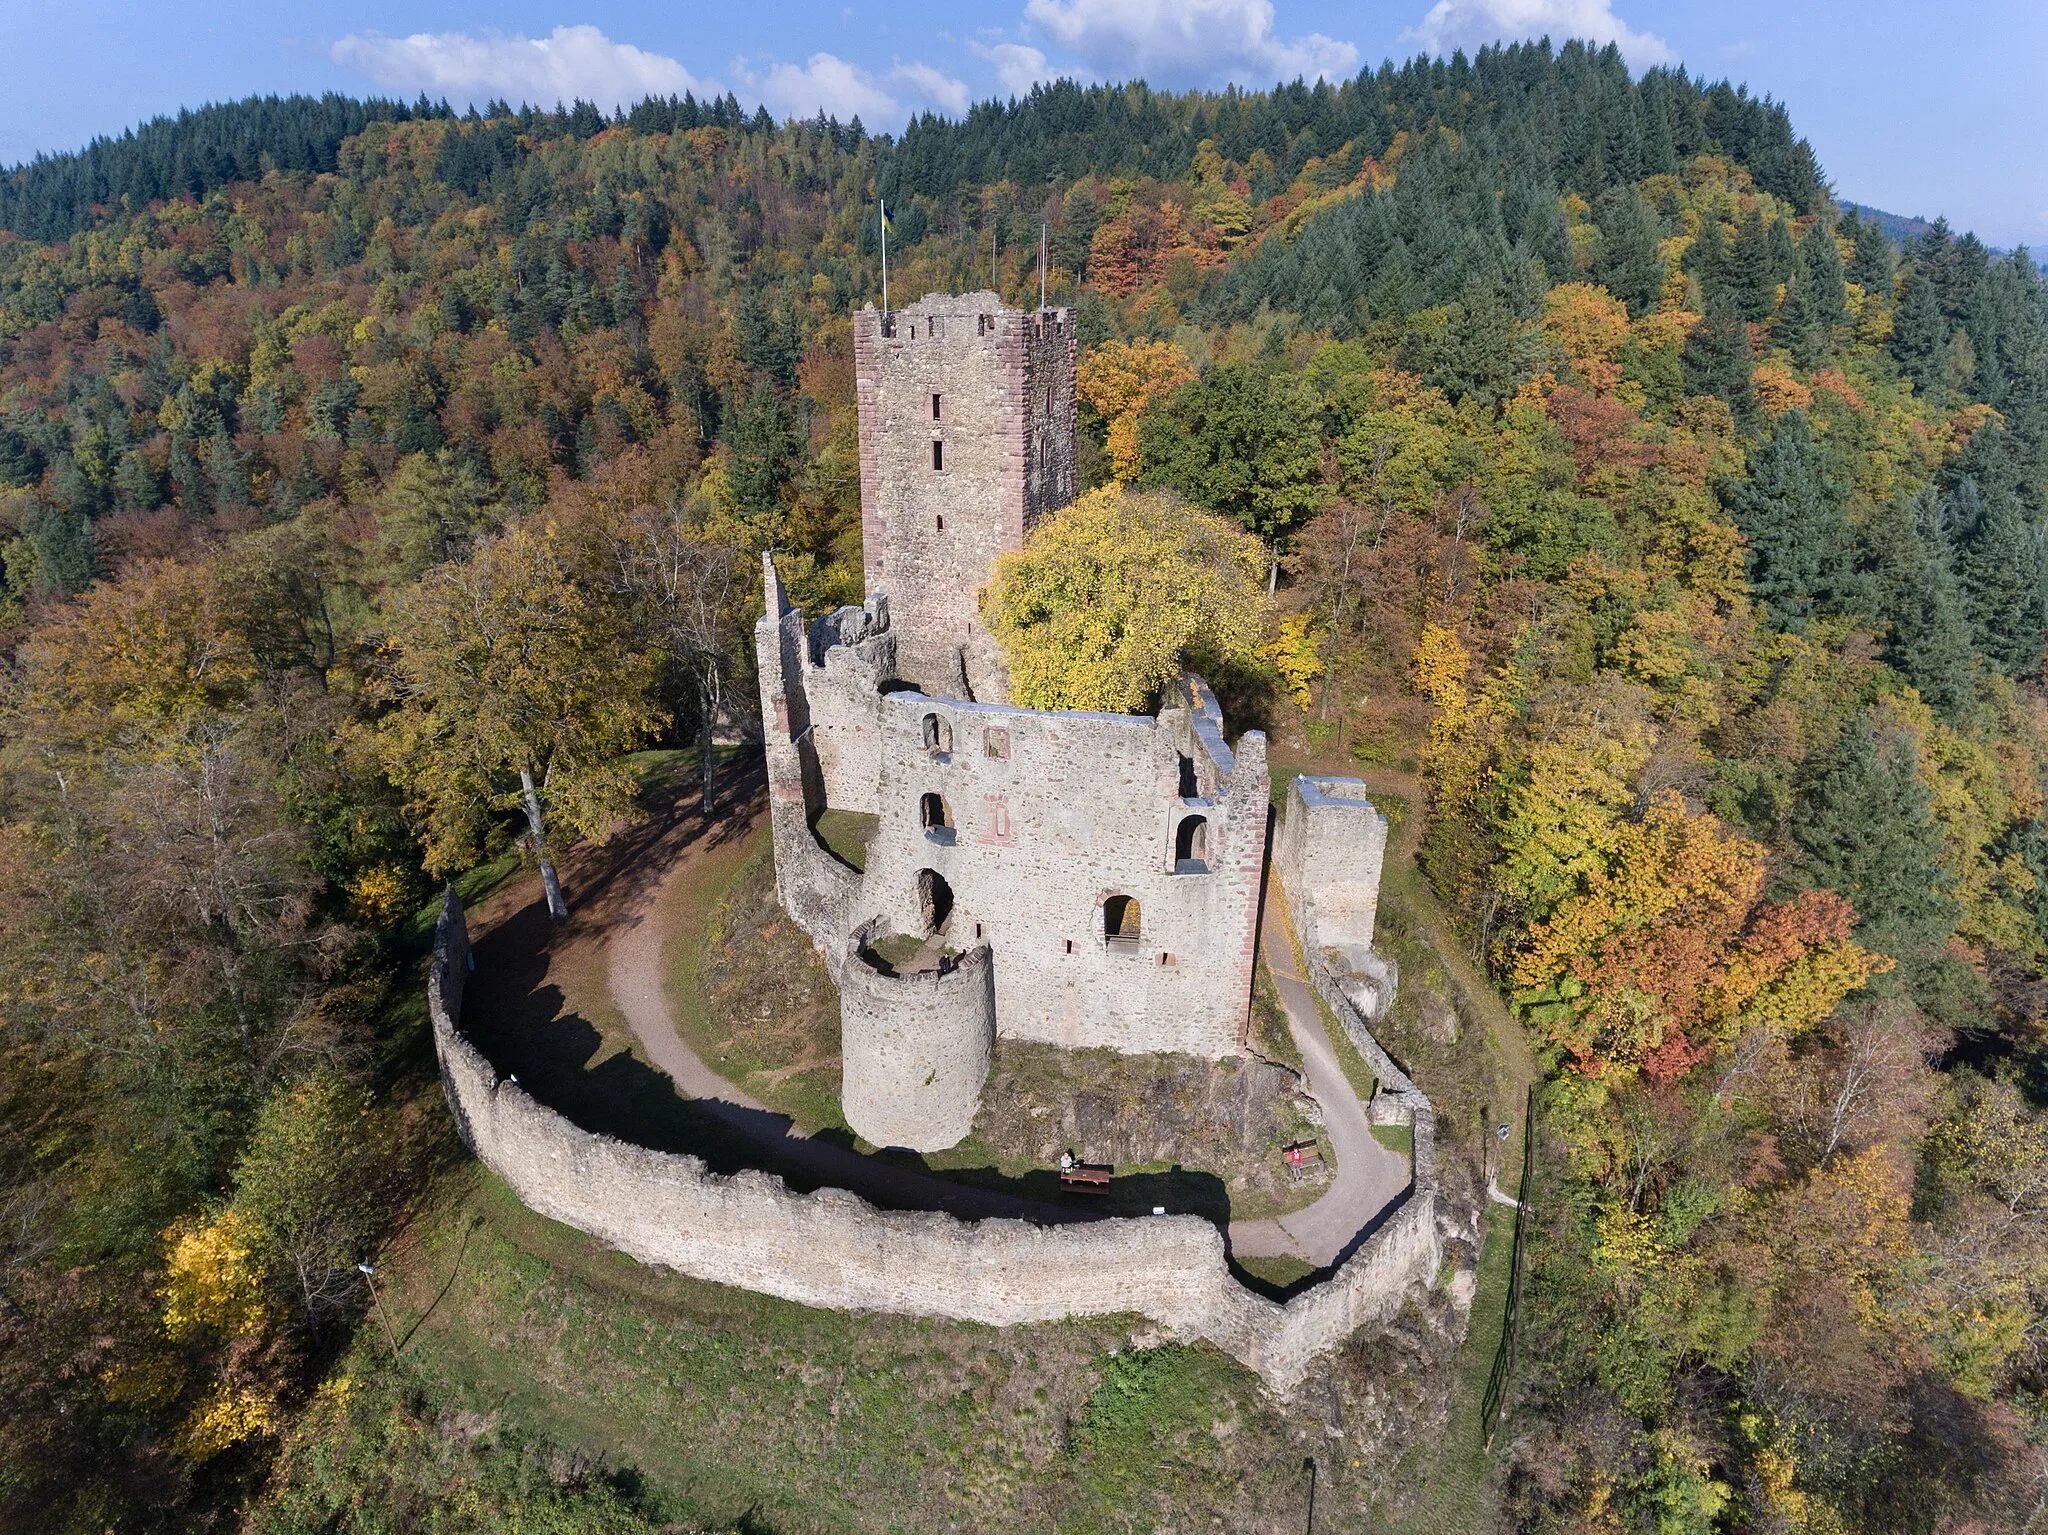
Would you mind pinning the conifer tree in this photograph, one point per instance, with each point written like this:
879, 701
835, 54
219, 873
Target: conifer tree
1865, 829
1815, 300
1629, 265
1792, 512
1706, 260
1752, 281
2004, 577
1717, 359
1875, 262
1921, 601
1920, 335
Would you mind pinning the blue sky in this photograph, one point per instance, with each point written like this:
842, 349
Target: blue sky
1917, 108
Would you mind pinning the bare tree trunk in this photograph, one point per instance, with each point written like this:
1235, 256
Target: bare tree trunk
558, 909
713, 698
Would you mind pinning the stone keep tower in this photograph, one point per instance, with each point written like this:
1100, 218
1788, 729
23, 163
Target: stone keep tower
967, 437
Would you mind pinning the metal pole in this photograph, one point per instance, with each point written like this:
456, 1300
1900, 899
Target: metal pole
883, 202
370, 1279
1041, 266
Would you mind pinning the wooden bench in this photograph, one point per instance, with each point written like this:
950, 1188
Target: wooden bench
1086, 1177
1302, 1156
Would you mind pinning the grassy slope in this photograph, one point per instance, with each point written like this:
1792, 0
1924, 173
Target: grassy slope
733, 1405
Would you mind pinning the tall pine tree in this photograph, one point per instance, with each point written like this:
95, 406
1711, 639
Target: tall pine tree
1922, 603
1920, 335
1815, 298
1629, 265
1865, 828
1717, 360
1752, 277
2004, 576
1793, 513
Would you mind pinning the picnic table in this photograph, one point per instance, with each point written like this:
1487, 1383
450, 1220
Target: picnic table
1086, 1177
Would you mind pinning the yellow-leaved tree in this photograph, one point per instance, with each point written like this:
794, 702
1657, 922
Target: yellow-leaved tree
1109, 595
516, 686
1118, 378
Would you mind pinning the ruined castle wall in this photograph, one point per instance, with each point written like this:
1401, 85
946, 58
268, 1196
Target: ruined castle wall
915, 1048
832, 1249
1052, 814
1004, 431
816, 889
850, 657
1329, 852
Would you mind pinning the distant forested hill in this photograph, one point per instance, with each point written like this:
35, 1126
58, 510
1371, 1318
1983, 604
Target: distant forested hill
1677, 535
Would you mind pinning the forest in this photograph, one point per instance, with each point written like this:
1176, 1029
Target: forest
1685, 536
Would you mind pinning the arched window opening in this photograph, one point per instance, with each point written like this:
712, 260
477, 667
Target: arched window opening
1120, 922
938, 735
934, 901
1191, 846
933, 814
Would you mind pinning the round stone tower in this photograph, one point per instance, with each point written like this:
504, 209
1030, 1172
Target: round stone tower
915, 1047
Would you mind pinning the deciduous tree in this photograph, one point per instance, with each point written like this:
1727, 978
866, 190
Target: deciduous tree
513, 684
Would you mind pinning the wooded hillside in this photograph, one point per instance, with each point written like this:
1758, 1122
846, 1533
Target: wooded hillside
374, 479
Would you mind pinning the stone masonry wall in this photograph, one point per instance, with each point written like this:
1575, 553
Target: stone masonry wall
1004, 427
816, 889
831, 1249
1329, 851
1051, 814
915, 1048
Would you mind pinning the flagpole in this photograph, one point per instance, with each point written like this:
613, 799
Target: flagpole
884, 202
1041, 266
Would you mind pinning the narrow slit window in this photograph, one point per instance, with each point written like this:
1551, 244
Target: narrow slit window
938, 454
935, 407
942, 522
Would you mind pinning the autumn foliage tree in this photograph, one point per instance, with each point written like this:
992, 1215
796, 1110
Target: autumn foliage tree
1109, 598
513, 686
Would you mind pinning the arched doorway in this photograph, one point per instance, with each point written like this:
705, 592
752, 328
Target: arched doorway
1121, 922
934, 900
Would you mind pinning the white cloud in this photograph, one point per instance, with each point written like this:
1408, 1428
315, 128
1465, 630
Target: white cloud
569, 63
1018, 65
829, 84
1471, 24
941, 90
1171, 40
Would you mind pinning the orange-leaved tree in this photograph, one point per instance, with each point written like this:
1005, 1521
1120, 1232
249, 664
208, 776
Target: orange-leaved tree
1118, 378
1666, 949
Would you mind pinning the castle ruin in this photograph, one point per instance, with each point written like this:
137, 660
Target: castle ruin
1080, 879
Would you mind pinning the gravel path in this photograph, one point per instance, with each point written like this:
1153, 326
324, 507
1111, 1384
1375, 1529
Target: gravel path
1370, 1177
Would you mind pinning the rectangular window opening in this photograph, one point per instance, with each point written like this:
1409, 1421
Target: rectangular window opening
938, 454
995, 742
935, 407
942, 515
1069, 943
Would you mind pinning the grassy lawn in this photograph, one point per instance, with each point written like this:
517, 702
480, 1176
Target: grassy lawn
1399, 1138
846, 834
